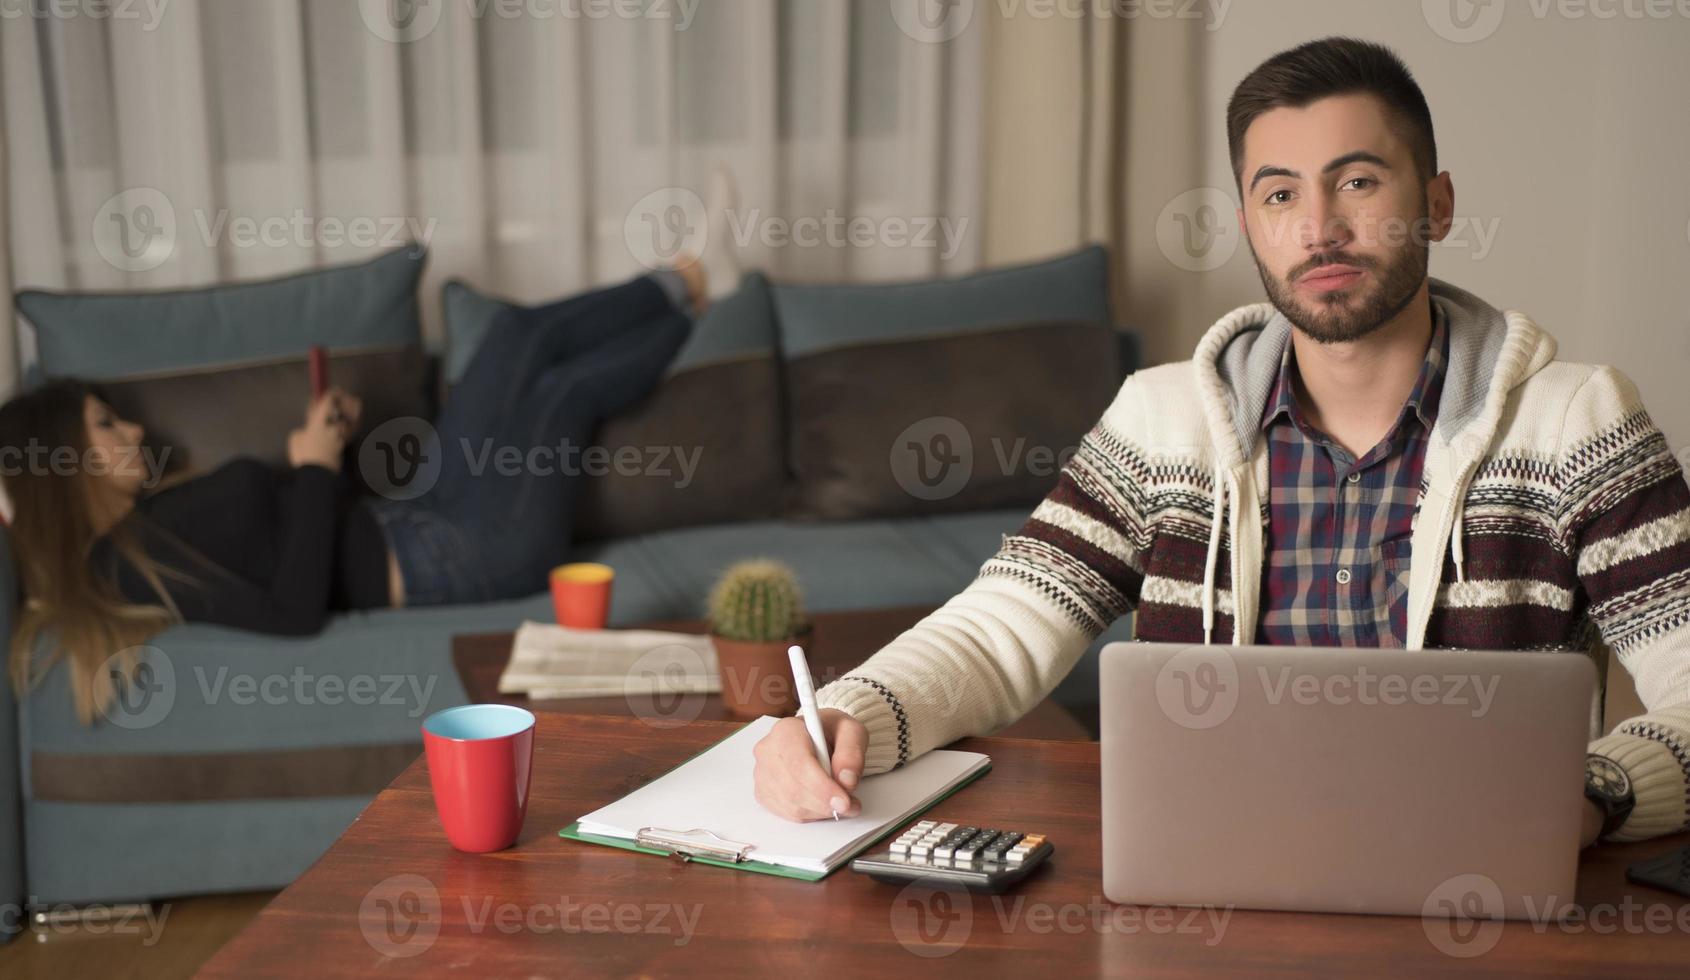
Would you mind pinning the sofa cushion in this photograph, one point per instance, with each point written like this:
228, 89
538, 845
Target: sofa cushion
962, 394
222, 372
103, 336
704, 448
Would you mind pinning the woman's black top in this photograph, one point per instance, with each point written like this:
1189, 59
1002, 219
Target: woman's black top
266, 550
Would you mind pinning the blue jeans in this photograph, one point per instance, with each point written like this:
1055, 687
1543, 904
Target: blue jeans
499, 515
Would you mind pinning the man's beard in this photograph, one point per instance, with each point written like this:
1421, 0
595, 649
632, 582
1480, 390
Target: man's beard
1343, 316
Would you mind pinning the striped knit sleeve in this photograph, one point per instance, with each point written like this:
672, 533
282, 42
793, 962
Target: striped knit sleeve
991, 653
1625, 517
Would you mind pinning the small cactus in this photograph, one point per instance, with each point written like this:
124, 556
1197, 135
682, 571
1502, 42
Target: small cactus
757, 601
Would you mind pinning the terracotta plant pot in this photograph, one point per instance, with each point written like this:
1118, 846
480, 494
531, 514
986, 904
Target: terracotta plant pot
757, 677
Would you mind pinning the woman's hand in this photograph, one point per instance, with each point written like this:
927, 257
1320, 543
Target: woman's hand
322, 439
348, 413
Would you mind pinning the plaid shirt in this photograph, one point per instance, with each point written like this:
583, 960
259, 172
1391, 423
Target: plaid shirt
1339, 528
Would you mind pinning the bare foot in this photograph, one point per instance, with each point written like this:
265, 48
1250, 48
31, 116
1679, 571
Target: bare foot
691, 271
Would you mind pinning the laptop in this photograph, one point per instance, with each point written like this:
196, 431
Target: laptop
1444, 783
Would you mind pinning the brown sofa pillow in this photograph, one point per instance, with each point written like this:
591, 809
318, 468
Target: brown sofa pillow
207, 416
963, 421
704, 448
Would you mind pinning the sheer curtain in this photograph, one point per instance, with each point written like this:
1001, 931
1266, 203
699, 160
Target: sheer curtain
536, 149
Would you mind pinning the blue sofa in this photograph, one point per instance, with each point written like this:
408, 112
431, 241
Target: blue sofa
272, 746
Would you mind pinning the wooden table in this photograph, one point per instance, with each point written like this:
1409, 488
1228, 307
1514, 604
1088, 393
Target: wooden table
392, 898
841, 641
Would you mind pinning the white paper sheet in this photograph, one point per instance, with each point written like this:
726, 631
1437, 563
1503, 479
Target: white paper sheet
714, 792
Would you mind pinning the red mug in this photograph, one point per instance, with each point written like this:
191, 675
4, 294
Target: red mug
479, 761
581, 594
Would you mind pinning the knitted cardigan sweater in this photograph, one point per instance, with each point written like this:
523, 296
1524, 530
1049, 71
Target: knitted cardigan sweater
1552, 516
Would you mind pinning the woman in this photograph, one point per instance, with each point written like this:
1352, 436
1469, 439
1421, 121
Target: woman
105, 566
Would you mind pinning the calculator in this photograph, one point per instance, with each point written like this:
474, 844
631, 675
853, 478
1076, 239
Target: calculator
976, 858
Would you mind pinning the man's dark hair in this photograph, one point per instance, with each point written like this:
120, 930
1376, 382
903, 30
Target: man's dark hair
1327, 67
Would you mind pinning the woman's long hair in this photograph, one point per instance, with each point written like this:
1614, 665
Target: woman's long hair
69, 609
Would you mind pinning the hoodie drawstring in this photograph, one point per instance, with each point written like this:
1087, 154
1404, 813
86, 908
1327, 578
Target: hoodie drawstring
1456, 550
1214, 555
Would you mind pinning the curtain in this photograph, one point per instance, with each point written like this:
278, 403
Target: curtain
536, 149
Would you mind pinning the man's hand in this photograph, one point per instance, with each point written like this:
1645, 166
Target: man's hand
790, 780
1592, 824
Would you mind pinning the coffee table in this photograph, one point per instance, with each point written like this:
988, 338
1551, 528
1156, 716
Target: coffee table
841, 641
392, 898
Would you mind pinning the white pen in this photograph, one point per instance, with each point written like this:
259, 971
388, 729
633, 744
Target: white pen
807, 705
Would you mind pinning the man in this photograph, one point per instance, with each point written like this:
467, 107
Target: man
1429, 475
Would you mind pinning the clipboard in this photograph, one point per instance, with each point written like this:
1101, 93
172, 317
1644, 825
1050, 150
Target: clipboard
702, 845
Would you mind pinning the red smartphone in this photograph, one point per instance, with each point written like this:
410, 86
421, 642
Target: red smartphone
319, 372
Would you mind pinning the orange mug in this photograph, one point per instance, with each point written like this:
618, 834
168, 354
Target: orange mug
581, 594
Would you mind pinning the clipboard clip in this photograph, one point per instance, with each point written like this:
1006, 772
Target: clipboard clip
685, 845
